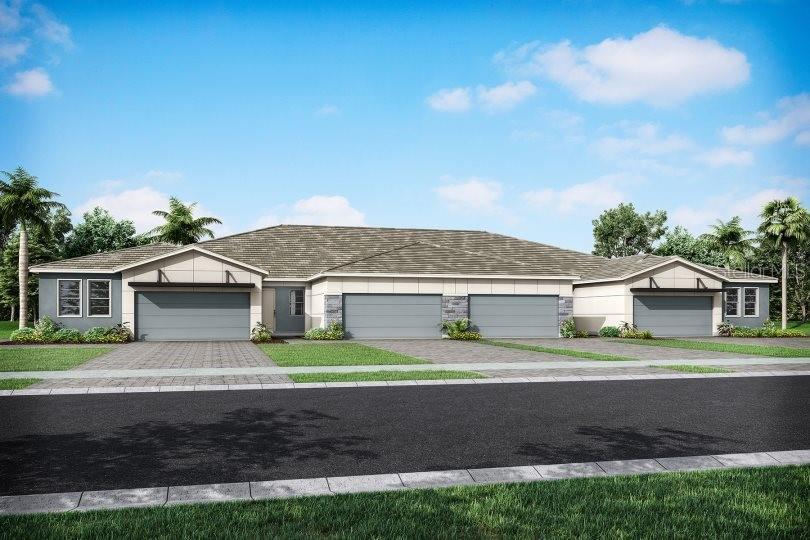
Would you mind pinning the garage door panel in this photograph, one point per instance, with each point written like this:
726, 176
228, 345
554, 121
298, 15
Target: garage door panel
515, 316
392, 316
674, 315
173, 316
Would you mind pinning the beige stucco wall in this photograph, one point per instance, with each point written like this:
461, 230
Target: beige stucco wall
190, 267
609, 304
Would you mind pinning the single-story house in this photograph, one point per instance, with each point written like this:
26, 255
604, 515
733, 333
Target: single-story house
389, 283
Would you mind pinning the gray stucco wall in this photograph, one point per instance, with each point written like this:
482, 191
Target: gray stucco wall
764, 306
48, 300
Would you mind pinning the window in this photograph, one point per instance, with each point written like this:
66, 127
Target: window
732, 302
297, 302
69, 293
98, 297
750, 304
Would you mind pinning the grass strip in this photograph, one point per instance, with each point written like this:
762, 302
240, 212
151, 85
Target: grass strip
47, 358
687, 368
736, 348
740, 503
803, 327
334, 354
16, 384
384, 376
555, 350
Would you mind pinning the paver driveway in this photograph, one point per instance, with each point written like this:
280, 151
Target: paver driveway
181, 354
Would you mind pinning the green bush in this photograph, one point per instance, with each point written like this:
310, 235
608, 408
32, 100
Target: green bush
25, 335
581, 334
460, 329
466, 335
116, 334
332, 332
609, 331
725, 329
764, 332
261, 334
67, 335
568, 329
46, 328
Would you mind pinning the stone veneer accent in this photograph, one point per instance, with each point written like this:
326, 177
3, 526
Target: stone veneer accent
333, 308
565, 308
455, 308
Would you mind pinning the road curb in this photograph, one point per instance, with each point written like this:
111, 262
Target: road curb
304, 487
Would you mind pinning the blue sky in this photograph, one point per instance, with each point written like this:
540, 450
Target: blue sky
522, 118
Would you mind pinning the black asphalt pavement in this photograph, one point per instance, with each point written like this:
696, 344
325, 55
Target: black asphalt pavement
67, 443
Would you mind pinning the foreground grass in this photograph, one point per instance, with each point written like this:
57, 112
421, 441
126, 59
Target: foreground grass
686, 368
737, 348
803, 327
554, 350
384, 376
743, 503
16, 384
334, 354
47, 358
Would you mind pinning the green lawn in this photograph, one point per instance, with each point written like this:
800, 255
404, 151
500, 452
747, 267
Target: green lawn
46, 358
686, 368
737, 348
554, 350
740, 503
384, 376
6, 328
798, 325
334, 354
16, 384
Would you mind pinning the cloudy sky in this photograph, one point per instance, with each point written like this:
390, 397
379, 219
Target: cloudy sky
527, 119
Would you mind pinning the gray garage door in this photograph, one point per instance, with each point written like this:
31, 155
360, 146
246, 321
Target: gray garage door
515, 316
674, 315
392, 315
190, 316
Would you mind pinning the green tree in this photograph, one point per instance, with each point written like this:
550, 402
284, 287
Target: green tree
42, 247
621, 231
785, 224
181, 227
730, 239
680, 242
27, 205
99, 232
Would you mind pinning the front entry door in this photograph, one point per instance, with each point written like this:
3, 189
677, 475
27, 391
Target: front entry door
290, 310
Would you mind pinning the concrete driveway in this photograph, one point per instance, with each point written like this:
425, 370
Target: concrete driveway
448, 351
181, 354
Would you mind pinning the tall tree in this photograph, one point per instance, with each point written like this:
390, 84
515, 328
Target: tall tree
731, 240
785, 223
25, 204
98, 232
181, 227
622, 231
679, 241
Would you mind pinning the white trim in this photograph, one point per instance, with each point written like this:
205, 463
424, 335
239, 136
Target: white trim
739, 300
109, 298
442, 276
756, 302
81, 298
191, 247
752, 280
68, 271
682, 261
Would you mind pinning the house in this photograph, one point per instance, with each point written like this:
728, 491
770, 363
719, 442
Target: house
388, 283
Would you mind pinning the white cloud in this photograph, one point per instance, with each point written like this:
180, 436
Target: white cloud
644, 139
599, 194
747, 206
10, 19
565, 119
157, 175
659, 67
32, 83
793, 117
450, 100
316, 210
49, 27
135, 205
327, 110
471, 195
803, 138
10, 51
720, 157
505, 96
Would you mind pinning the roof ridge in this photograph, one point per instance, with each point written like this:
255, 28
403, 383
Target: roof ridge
367, 257
477, 253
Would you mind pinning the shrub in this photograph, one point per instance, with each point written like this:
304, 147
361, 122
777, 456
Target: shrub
627, 328
97, 334
568, 329
25, 335
764, 332
609, 331
67, 335
260, 333
725, 329
46, 328
460, 329
581, 334
332, 332
117, 334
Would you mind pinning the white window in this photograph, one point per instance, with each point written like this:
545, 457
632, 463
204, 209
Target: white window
297, 302
98, 298
69, 297
733, 302
750, 301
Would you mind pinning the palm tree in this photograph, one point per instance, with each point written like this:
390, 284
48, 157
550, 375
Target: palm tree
23, 203
784, 223
731, 240
181, 226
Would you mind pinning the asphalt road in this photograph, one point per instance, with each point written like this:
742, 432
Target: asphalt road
66, 443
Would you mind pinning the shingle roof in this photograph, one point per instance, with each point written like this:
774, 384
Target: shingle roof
624, 266
110, 260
